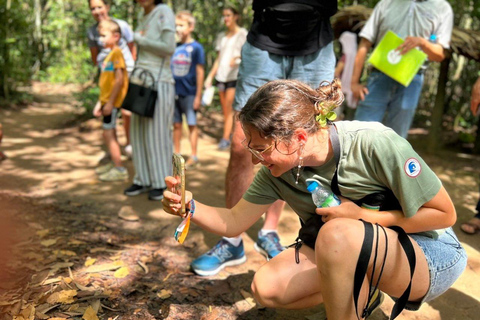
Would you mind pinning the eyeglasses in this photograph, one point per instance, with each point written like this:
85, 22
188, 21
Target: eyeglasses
257, 154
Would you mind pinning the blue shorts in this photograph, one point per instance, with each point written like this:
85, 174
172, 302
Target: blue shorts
184, 105
110, 122
446, 260
259, 67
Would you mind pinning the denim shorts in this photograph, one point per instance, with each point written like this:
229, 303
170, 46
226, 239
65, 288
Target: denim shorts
184, 105
110, 121
446, 260
259, 67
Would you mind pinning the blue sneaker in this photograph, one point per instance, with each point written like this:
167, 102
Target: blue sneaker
222, 255
269, 245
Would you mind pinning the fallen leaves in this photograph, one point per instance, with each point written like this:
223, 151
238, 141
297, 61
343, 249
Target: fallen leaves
90, 314
63, 297
121, 273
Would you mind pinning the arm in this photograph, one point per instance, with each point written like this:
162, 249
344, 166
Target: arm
133, 50
197, 103
221, 221
339, 69
475, 102
94, 53
435, 52
437, 213
213, 72
163, 47
359, 91
117, 86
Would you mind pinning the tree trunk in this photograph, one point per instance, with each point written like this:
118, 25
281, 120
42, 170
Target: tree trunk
6, 52
434, 137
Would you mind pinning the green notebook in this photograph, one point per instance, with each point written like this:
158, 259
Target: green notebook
400, 68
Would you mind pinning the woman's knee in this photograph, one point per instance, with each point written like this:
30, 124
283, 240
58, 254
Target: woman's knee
265, 287
338, 238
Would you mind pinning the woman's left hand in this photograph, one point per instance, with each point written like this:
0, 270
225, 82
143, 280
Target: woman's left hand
346, 209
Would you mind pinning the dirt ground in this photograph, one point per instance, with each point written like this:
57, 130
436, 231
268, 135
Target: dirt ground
66, 253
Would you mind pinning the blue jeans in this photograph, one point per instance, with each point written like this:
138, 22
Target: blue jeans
390, 97
259, 67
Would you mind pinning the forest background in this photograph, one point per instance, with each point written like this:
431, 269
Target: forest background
45, 40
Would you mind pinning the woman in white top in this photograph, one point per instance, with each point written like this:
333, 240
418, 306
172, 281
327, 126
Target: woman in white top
225, 68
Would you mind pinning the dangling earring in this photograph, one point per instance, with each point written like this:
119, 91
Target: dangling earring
300, 164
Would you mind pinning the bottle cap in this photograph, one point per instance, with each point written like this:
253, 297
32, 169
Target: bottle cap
312, 186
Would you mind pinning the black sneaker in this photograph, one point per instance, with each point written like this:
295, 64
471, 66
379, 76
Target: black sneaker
155, 194
135, 190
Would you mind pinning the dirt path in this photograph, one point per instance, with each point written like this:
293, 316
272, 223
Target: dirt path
68, 254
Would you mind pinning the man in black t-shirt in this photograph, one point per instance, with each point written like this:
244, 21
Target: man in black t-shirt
287, 40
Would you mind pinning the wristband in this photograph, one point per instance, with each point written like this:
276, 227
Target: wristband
191, 209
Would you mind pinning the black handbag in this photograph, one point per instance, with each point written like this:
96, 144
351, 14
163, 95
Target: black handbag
141, 98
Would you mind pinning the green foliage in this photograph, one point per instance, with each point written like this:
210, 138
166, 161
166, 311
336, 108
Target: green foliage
88, 98
46, 40
74, 68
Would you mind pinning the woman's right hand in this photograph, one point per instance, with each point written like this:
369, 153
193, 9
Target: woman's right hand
171, 200
208, 82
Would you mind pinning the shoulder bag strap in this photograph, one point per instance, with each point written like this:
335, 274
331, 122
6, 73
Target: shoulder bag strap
334, 140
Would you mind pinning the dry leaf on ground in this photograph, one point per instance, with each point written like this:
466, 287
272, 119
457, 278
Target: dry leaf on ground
121, 273
90, 314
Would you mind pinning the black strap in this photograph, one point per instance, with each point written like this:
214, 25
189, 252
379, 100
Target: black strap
334, 140
412, 261
362, 263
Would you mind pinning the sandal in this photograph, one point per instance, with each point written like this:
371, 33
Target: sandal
471, 227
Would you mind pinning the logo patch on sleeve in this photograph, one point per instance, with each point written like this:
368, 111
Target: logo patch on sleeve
412, 167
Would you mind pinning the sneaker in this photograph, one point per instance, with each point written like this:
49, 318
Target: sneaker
104, 169
191, 163
155, 194
105, 159
224, 144
222, 255
135, 190
114, 174
128, 151
269, 245
375, 303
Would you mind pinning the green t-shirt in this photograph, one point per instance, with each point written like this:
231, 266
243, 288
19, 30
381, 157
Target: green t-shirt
373, 158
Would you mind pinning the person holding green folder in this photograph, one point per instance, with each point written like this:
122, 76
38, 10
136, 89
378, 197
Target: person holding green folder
424, 24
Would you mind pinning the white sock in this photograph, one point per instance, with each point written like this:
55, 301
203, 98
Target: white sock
263, 232
235, 241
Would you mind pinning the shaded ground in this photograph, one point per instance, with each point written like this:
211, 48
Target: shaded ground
66, 254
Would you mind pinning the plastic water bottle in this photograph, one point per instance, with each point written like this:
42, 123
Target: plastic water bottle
322, 197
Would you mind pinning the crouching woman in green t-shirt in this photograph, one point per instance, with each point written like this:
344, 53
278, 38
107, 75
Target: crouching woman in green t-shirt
287, 129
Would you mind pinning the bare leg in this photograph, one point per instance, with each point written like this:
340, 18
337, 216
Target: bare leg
337, 250
113, 147
228, 113
282, 283
240, 176
126, 115
240, 168
177, 136
193, 139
